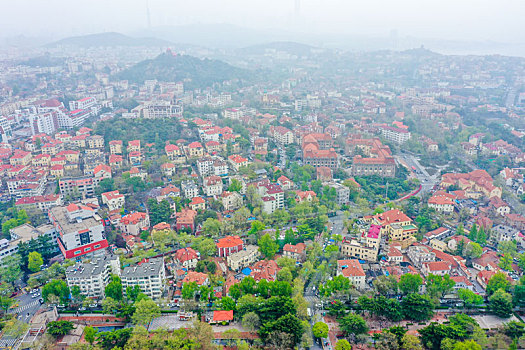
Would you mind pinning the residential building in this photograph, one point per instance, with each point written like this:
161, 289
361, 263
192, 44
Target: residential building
243, 258
190, 189
187, 257
295, 251
231, 200
229, 245
92, 276
150, 276
113, 199
134, 223
396, 135
352, 270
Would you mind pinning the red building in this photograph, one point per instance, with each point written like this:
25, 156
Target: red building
229, 245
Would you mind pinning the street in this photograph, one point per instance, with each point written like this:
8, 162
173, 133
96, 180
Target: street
27, 307
427, 181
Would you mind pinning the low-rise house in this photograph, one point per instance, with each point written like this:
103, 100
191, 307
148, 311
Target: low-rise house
190, 189
462, 282
419, 255
296, 252
187, 257
285, 183
307, 196
198, 277
113, 199
134, 223
212, 186
222, 317
197, 203
488, 261
186, 219
502, 233
231, 200
394, 255
439, 268
237, 161
352, 270
229, 245
442, 202
243, 258
499, 206
265, 269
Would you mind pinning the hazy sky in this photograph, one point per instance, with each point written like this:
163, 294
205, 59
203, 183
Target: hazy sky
496, 20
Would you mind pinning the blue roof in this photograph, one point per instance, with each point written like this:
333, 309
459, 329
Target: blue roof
247, 271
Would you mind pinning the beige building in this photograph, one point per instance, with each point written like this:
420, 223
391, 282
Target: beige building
352, 270
244, 258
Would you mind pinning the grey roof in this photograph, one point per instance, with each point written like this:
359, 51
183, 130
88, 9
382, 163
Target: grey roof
91, 268
147, 269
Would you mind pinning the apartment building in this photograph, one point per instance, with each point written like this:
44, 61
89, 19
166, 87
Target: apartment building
92, 276
395, 135
190, 189
150, 276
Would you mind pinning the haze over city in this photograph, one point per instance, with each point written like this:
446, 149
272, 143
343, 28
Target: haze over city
311, 21
266, 175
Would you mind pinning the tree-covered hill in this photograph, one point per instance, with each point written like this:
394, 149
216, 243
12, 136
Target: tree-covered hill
195, 72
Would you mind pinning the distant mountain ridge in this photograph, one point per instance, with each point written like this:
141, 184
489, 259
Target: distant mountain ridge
169, 67
109, 39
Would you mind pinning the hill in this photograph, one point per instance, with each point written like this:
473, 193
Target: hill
110, 39
170, 67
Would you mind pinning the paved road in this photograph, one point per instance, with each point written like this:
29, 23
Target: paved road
27, 307
427, 181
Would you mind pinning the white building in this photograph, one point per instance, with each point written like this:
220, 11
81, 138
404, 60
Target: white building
149, 276
93, 276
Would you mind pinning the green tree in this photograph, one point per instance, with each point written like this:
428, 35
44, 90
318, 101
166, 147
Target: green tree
473, 250
227, 303
114, 288
205, 246
235, 186
500, 303
438, 286
257, 226
189, 289
353, 325
11, 271
211, 227
410, 283
268, 246
145, 311
467, 345
288, 324
89, 334
58, 288
417, 307
320, 330
411, 342
473, 234
470, 298
385, 284
498, 281
116, 339
343, 344
159, 211
5, 303
132, 292
59, 328
506, 262
7, 226
35, 261
251, 321
109, 305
